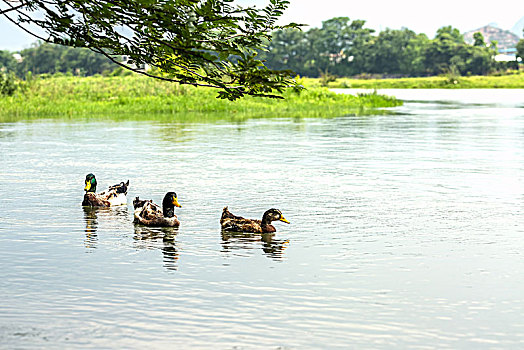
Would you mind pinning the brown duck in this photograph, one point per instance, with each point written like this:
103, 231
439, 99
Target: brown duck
233, 223
150, 214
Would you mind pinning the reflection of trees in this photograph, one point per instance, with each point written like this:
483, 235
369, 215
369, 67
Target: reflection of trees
272, 248
149, 238
178, 133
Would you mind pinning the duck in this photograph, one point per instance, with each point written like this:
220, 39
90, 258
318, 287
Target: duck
115, 195
233, 223
150, 214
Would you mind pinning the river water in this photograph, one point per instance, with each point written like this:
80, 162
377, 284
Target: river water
406, 230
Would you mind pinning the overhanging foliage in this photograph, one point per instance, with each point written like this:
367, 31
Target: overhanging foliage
210, 43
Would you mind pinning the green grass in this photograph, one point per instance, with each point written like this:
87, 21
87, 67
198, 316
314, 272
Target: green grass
510, 81
137, 97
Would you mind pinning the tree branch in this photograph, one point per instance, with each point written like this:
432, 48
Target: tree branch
12, 8
136, 70
27, 31
200, 43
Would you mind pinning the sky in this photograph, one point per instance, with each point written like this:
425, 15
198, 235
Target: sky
419, 16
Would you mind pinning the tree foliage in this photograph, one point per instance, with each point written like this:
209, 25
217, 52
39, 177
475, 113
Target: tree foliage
7, 62
520, 49
51, 58
8, 83
478, 39
345, 48
449, 53
396, 52
336, 48
200, 42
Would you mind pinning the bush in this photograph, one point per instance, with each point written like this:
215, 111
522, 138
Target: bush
326, 78
7, 84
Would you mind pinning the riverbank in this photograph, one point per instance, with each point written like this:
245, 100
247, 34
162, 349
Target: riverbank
510, 81
138, 97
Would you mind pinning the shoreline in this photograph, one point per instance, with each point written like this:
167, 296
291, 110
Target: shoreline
510, 81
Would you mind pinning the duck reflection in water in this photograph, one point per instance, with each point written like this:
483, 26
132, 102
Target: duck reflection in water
150, 238
272, 248
94, 217
91, 221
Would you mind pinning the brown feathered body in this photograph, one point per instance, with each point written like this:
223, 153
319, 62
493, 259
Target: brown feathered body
150, 214
233, 223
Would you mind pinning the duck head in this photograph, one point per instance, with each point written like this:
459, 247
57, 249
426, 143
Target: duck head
273, 215
90, 183
169, 203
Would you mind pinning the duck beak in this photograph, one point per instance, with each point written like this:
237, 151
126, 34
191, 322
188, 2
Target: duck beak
175, 202
284, 219
88, 186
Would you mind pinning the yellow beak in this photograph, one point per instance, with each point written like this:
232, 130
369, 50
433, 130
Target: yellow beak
88, 186
175, 202
284, 219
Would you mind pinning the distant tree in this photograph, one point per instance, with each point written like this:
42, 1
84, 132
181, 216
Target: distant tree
8, 83
199, 42
287, 49
339, 46
451, 33
478, 39
396, 52
442, 54
345, 48
520, 49
414, 65
449, 53
39, 59
356, 56
478, 60
7, 62
50, 58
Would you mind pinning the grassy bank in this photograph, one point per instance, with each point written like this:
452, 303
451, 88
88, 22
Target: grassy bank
137, 97
512, 81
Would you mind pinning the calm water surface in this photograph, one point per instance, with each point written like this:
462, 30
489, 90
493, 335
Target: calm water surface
406, 231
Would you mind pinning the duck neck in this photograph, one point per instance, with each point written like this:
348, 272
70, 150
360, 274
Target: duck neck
268, 228
266, 224
168, 211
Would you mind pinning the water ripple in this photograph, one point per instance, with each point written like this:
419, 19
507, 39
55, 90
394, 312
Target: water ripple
406, 231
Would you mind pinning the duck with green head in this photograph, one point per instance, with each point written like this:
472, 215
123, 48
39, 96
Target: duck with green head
150, 214
115, 195
233, 223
